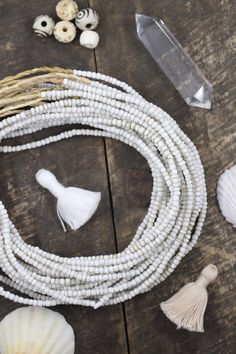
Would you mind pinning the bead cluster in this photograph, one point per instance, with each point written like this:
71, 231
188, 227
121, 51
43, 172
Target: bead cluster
174, 218
86, 20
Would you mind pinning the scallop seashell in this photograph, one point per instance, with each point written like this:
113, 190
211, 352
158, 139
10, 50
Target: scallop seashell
87, 19
36, 330
226, 194
43, 26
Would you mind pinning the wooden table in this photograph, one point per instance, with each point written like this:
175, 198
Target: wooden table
207, 29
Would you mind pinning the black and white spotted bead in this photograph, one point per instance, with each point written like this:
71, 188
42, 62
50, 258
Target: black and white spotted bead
43, 26
87, 19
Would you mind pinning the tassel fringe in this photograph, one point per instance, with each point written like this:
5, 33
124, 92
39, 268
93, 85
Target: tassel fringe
187, 307
75, 206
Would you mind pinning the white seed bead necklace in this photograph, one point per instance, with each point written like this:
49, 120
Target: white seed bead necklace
177, 207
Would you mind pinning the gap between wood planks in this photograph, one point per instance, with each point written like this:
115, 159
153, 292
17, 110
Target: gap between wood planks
112, 214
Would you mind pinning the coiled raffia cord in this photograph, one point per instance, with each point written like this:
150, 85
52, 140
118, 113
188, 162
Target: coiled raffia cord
177, 207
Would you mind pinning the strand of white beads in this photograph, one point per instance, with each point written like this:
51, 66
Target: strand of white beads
170, 228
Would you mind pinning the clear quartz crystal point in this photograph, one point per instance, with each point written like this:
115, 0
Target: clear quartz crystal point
168, 53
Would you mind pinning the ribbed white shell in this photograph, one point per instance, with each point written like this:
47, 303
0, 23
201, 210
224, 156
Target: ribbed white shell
36, 330
226, 194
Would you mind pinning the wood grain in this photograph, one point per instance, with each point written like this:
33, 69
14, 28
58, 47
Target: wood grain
207, 30
76, 162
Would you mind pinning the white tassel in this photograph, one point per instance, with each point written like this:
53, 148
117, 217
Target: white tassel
74, 205
186, 308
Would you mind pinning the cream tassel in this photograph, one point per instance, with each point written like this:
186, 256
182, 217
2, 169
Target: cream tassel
74, 205
186, 308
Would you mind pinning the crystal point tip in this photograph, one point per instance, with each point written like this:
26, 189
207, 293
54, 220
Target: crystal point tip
202, 98
141, 20
168, 53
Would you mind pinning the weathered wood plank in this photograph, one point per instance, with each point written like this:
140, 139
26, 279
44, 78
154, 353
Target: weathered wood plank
206, 29
77, 162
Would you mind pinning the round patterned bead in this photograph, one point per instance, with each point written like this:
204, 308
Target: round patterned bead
67, 10
89, 39
87, 19
43, 26
64, 31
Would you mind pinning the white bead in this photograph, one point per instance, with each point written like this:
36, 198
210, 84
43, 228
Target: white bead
87, 19
64, 31
67, 10
170, 228
43, 26
89, 39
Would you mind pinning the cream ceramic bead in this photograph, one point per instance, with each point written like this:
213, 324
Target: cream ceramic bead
89, 39
87, 19
65, 31
67, 10
43, 26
